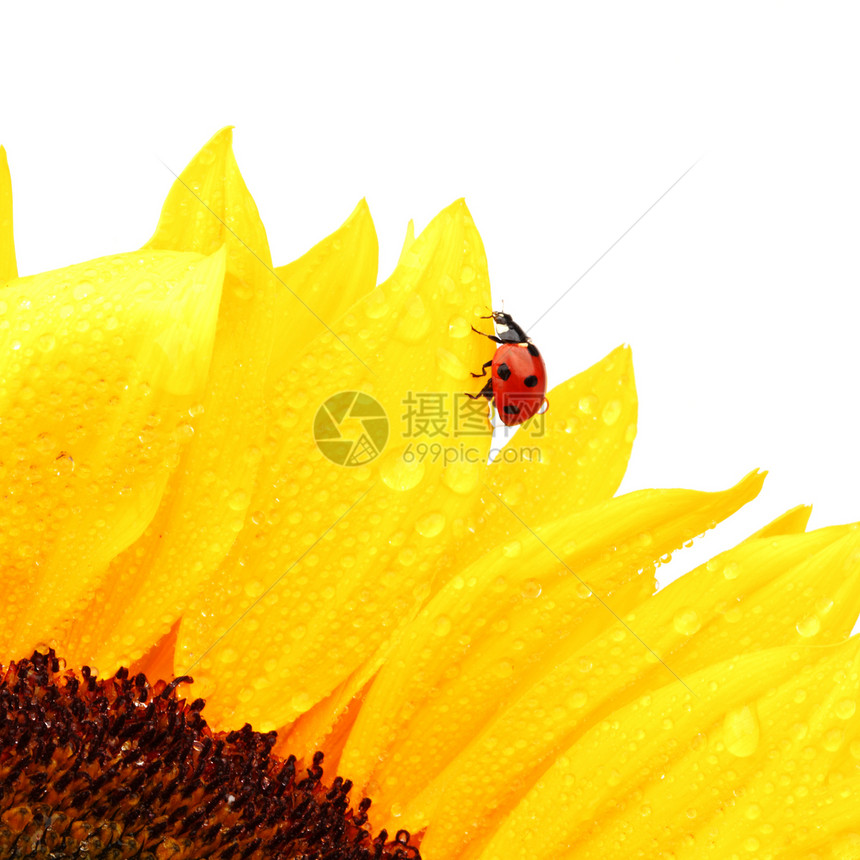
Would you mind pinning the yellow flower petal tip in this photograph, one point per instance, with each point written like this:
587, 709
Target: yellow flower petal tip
791, 522
481, 649
8, 262
210, 205
321, 286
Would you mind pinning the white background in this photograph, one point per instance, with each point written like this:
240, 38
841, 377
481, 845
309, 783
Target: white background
561, 125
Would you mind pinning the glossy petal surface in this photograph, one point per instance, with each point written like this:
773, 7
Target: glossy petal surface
100, 367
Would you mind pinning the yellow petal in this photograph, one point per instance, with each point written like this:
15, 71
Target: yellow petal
322, 285
408, 240
587, 466
209, 205
101, 362
581, 456
319, 532
744, 768
492, 632
207, 497
791, 522
694, 622
8, 264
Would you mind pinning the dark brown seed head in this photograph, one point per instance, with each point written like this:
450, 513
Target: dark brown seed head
118, 769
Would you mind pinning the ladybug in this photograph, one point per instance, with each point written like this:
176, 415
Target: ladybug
517, 376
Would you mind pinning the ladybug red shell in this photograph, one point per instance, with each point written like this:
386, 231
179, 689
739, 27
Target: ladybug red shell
517, 373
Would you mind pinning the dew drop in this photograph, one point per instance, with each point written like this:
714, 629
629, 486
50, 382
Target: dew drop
741, 731
578, 700
588, 404
753, 811
238, 501
254, 588
531, 589
431, 525
376, 304
687, 622
809, 626
399, 475
227, 655
46, 342
462, 478
458, 327
505, 669
467, 275
512, 493
832, 740
845, 709
442, 626
512, 549
451, 364
611, 412
731, 570
64, 464
301, 702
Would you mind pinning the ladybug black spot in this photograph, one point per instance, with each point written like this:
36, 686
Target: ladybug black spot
510, 409
530, 381
533, 350
504, 372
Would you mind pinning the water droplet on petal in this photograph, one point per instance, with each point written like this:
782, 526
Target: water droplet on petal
46, 342
845, 709
431, 525
741, 731
397, 474
238, 501
588, 404
458, 327
611, 412
462, 478
731, 570
687, 622
451, 364
442, 626
376, 304
809, 626
531, 589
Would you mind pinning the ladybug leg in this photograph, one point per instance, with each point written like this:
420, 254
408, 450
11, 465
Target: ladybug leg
490, 336
486, 391
484, 367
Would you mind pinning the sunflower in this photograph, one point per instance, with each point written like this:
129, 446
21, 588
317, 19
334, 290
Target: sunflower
267, 479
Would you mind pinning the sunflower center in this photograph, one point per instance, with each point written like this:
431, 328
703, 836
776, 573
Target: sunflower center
117, 768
